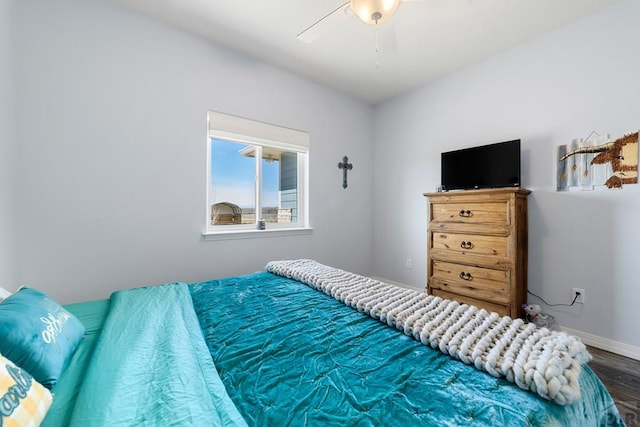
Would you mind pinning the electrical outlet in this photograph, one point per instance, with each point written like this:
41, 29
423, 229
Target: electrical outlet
409, 263
581, 295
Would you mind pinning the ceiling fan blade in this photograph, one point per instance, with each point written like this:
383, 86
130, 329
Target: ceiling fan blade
323, 25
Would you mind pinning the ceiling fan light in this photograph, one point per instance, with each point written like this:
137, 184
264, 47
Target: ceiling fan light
374, 11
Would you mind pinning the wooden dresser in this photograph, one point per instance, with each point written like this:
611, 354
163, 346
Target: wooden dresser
477, 248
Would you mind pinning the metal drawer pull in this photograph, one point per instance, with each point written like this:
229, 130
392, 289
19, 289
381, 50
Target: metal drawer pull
465, 276
465, 214
466, 245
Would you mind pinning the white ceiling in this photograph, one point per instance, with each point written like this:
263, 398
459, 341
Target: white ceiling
423, 41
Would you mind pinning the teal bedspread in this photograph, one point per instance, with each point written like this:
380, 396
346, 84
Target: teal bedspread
292, 356
92, 315
151, 366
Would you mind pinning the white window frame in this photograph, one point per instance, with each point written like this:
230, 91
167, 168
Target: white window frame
258, 134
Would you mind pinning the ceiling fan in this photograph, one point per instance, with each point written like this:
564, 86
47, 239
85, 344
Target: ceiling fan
372, 12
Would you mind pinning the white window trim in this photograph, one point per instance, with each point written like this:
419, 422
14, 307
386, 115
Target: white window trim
237, 129
253, 233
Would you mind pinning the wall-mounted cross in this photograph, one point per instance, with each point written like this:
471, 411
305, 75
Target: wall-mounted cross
345, 166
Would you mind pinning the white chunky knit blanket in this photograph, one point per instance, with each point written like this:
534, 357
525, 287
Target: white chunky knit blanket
539, 360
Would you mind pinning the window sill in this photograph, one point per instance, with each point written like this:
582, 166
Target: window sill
252, 234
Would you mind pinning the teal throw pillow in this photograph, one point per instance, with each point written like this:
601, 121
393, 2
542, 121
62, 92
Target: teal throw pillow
38, 334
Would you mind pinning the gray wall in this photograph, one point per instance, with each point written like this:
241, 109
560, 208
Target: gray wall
7, 149
111, 117
563, 85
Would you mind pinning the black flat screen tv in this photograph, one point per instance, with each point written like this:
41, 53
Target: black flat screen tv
486, 166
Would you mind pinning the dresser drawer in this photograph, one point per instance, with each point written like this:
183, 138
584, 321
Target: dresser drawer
472, 244
462, 277
502, 310
471, 212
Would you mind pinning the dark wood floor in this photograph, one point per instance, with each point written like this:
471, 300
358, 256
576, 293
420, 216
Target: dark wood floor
621, 376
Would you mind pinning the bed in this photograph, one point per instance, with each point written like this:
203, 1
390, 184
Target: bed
286, 349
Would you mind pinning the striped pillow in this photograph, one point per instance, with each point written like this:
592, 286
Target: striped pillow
23, 401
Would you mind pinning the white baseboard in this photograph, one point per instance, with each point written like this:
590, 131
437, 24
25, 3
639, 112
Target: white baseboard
606, 344
402, 285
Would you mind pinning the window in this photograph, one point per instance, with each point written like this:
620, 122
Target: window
256, 175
